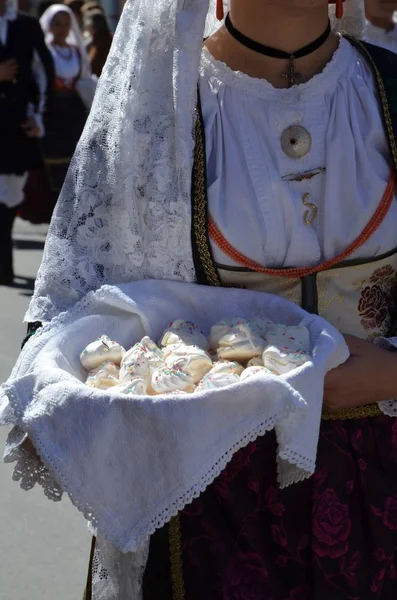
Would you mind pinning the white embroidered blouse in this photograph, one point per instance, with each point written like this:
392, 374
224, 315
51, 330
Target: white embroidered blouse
253, 197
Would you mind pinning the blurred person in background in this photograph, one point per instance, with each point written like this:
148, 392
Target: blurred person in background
76, 6
72, 68
92, 5
381, 23
26, 81
88, 7
96, 25
73, 94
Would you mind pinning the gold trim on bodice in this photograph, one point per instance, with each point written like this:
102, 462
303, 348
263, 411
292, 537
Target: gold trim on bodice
200, 239
174, 536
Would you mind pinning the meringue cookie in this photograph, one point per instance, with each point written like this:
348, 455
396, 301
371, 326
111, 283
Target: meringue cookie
227, 366
184, 332
136, 386
280, 362
103, 349
291, 338
261, 325
257, 361
222, 328
217, 380
241, 344
103, 377
250, 371
192, 360
166, 379
141, 360
110, 367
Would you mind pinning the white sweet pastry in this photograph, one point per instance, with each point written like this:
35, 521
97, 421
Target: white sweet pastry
141, 361
291, 338
184, 332
227, 366
104, 376
170, 348
257, 361
222, 328
250, 371
241, 344
110, 367
136, 386
192, 360
280, 362
102, 350
218, 380
289, 348
166, 379
261, 325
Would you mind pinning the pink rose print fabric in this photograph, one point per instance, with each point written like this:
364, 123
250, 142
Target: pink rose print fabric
377, 306
333, 537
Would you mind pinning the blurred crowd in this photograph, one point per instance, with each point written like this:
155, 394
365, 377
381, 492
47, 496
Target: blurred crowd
49, 67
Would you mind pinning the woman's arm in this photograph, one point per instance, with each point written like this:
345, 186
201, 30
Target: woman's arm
367, 377
43, 70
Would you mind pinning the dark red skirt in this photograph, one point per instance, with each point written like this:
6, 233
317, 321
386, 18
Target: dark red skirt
332, 537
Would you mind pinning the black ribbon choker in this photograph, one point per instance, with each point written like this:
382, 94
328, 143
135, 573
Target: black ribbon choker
292, 75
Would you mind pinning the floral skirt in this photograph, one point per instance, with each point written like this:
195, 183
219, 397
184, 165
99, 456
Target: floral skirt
331, 537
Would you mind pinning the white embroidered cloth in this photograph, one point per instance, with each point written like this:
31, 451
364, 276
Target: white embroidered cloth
130, 463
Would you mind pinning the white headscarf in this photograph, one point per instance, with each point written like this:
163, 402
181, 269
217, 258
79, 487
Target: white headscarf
124, 212
74, 38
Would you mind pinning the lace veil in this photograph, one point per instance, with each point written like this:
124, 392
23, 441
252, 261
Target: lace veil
124, 211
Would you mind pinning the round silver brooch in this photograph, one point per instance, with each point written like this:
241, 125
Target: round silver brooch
296, 141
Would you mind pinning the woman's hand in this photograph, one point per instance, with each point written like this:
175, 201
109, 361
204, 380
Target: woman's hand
31, 128
368, 376
8, 70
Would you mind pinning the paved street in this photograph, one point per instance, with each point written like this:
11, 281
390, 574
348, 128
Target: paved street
44, 546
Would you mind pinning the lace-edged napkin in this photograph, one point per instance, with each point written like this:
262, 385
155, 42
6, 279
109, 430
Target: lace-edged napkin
130, 463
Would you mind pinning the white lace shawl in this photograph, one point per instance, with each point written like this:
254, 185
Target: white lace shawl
124, 211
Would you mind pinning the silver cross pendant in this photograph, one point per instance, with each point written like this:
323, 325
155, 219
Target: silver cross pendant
292, 74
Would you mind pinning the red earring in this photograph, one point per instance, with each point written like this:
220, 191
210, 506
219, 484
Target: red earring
220, 15
339, 9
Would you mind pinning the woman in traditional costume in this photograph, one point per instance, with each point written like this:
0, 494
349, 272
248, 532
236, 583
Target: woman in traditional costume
67, 120
65, 42
287, 186
73, 92
26, 77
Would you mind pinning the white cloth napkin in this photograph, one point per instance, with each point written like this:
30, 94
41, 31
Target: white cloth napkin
131, 463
